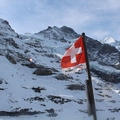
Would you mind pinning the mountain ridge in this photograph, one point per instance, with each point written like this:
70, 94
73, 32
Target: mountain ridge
62, 34
104, 54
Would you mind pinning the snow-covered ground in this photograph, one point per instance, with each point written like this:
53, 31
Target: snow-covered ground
18, 80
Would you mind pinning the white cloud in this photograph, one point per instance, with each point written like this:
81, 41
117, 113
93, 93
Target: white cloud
113, 4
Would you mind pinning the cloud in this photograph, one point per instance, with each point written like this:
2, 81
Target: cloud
98, 19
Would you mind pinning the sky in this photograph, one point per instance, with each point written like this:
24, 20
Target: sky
98, 19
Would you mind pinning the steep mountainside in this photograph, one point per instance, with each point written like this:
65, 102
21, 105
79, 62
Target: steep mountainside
19, 46
6, 30
103, 54
31, 82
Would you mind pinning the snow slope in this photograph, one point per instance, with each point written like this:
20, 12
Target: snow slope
18, 81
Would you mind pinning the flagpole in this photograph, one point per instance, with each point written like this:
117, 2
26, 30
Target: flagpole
90, 95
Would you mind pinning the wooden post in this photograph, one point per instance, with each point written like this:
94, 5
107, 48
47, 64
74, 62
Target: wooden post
91, 101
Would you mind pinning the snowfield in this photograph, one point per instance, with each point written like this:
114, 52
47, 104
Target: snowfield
18, 84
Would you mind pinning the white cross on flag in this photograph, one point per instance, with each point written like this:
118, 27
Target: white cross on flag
74, 58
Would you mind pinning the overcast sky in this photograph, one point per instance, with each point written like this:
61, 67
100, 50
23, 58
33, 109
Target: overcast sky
97, 18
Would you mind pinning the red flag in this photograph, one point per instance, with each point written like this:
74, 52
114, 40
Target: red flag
74, 58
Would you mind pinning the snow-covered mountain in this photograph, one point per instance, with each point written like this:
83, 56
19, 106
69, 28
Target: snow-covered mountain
6, 30
62, 34
38, 90
112, 42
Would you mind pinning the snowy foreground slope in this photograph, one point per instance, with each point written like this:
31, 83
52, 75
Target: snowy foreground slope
52, 96
66, 104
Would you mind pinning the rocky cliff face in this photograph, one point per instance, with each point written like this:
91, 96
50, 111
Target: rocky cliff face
104, 54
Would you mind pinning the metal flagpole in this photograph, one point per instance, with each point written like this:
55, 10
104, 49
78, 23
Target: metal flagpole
89, 88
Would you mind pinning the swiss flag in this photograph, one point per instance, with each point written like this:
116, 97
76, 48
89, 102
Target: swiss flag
74, 58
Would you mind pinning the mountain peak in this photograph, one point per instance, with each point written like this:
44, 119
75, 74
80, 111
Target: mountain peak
61, 34
4, 21
5, 29
49, 28
109, 40
67, 29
